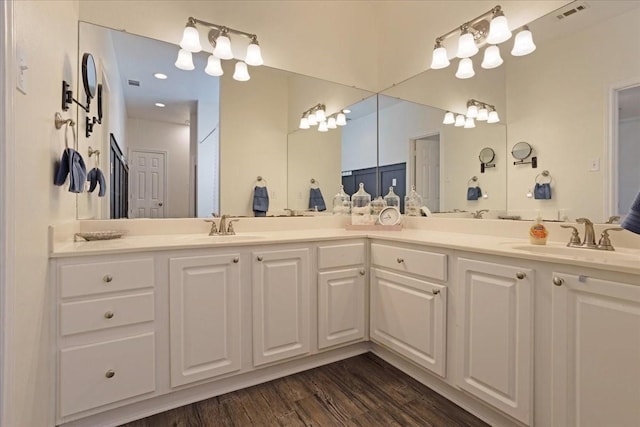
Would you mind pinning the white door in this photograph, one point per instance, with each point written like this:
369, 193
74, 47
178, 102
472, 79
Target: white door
341, 303
281, 305
427, 172
495, 335
410, 316
596, 343
204, 317
148, 184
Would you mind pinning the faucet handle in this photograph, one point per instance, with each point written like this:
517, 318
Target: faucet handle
574, 240
213, 230
605, 241
230, 229
613, 219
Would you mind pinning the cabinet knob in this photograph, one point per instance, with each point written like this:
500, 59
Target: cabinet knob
558, 281
110, 373
520, 275
236, 260
362, 272
259, 258
435, 291
108, 315
107, 278
400, 260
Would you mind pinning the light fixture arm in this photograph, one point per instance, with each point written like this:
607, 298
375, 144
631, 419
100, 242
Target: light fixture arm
221, 28
469, 25
480, 104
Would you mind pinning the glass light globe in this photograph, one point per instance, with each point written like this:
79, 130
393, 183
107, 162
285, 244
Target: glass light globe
498, 29
449, 119
493, 117
254, 55
341, 119
466, 46
322, 126
223, 47
331, 123
459, 121
492, 58
469, 123
523, 44
241, 73
483, 114
214, 68
321, 115
312, 119
185, 60
191, 39
472, 111
304, 123
465, 69
439, 59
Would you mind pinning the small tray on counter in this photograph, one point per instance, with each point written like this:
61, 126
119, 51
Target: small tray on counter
98, 235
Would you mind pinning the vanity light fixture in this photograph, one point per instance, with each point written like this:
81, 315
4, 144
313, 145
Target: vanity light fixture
493, 116
459, 121
449, 118
490, 27
476, 110
483, 113
317, 115
219, 39
469, 123
341, 118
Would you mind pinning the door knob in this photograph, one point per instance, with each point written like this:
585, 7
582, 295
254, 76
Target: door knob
558, 281
110, 373
520, 275
400, 260
108, 315
107, 278
362, 272
259, 258
160, 204
236, 260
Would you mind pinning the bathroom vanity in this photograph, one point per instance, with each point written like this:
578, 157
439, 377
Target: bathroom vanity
516, 336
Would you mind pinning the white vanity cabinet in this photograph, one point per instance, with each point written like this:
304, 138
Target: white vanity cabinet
205, 316
408, 308
494, 337
281, 293
341, 293
596, 359
105, 315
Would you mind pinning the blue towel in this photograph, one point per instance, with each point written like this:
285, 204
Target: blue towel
474, 193
316, 201
96, 177
632, 220
260, 201
73, 165
542, 191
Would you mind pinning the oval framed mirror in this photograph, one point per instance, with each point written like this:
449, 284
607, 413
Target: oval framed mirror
487, 155
521, 150
89, 75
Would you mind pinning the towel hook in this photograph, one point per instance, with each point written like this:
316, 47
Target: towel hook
261, 180
91, 152
473, 179
543, 174
59, 121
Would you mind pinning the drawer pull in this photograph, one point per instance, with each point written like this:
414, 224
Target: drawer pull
362, 272
108, 315
400, 260
110, 373
435, 291
259, 258
236, 260
558, 281
520, 275
107, 278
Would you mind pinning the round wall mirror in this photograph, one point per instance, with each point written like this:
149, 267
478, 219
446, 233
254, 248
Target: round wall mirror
89, 77
487, 155
521, 150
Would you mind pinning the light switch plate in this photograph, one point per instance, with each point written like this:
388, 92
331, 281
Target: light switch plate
594, 165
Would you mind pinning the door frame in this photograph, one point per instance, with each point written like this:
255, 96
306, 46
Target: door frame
7, 212
133, 169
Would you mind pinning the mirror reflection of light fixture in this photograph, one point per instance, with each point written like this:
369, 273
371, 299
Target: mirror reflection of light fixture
312, 119
472, 110
322, 126
493, 116
317, 115
331, 123
483, 113
476, 110
219, 39
304, 123
341, 119
449, 119
476, 32
469, 123
459, 121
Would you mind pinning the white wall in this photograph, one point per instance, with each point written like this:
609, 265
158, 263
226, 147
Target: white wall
47, 33
359, 139
557, 101
208, 147
174, 140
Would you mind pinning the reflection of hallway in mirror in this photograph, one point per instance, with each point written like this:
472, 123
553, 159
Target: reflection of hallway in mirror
425, 173
148, 184
628, 148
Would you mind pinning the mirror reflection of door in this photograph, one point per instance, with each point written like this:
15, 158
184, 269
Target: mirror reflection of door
148, 184
426, 170
628, 147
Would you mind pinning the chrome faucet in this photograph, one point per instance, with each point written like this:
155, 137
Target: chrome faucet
478, 214
223, 225
589, 235
589, 241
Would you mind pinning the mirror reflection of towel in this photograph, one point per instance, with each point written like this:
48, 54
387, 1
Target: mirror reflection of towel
95, 177
474, 193
316, 201
542, 191
260, 201
73, 165
632, 220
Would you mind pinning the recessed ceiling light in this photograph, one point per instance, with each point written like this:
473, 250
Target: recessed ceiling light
160, 104
160, 76
346, 111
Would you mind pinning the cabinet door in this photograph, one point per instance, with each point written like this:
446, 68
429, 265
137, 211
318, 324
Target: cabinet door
596, 343
281, 315
341, 306
204, 317
495, 336
409, 316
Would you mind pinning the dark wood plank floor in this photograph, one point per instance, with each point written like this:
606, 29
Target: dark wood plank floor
360, 391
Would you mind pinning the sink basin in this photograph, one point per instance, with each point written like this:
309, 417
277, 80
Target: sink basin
587, 254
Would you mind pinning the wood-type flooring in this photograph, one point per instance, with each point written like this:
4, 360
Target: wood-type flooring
360, 391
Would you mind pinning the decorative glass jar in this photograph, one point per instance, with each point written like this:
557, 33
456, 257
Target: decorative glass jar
412, 203
341, 202
361, 207
392, 199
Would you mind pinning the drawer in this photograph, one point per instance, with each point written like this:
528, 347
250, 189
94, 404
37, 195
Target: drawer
341, 255
100, 277
421, 263
91, 315
86, 379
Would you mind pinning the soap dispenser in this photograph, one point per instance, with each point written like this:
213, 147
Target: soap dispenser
361, 207
392, 199
412, 203
341, 202
538, 232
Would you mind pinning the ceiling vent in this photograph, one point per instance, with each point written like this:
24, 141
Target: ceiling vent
134, 83
573, 10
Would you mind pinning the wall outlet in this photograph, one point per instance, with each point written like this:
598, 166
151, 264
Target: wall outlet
594, 165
